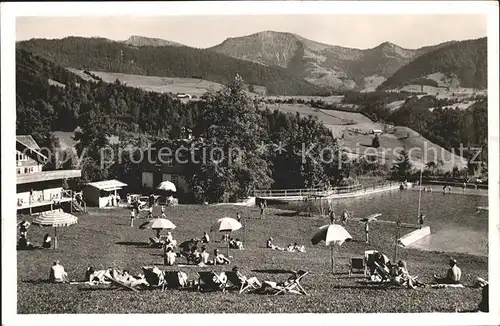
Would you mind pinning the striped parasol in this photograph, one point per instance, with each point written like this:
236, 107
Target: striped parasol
55, 219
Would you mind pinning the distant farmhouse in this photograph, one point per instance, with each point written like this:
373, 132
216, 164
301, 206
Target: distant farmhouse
39, 190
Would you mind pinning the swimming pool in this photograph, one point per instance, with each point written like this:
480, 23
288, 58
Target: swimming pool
455, 222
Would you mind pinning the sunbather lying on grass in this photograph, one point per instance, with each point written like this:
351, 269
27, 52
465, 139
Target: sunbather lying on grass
220, 259
236, 244
269, 286
270, 245
402, 276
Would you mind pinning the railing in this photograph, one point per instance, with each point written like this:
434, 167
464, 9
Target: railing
322, 192
40, 199
78, 198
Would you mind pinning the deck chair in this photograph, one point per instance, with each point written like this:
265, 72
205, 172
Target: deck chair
210, 281
357, 266
292, 285
118, 283
383, 272
173, 280
155, 242
154, 276
236, 282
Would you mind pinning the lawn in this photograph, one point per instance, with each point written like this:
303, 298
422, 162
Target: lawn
103, 238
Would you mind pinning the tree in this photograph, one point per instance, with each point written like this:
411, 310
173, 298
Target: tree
52, 148
376, 142
402, 168
231, 129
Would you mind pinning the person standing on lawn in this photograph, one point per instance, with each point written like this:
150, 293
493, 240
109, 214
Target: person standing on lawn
238, 217
262, 207
367, 231
132, 217
331, 213
345, 216
421, 220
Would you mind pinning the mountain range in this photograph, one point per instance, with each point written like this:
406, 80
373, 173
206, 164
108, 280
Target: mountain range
308, 64
323, 64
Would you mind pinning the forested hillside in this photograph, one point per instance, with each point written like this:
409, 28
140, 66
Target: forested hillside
466, 60
43, 107
171, 61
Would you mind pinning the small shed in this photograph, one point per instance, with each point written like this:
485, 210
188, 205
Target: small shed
103, 193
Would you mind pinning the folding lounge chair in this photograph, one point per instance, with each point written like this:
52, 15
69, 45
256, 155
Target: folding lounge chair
118, 283
357, 266
235, 281
292, 285
154, 276
173, 281
210, 281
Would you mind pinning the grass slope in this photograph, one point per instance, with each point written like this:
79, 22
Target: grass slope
104, 238
353, 125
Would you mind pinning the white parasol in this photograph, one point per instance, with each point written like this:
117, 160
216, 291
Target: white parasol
331, 234
226, 224
167, 186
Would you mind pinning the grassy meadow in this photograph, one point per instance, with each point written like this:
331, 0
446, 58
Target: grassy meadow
103, 238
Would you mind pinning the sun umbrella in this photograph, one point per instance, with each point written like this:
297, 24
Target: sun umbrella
162, 223
167, 186
331, 234
226, 224
370, 218
159, 224
55, 219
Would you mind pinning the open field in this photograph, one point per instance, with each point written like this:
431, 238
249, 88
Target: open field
104, 239
192, 86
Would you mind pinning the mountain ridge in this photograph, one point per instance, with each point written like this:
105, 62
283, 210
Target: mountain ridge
320, 63
137, 40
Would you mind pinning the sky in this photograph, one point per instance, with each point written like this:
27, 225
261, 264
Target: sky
355, 31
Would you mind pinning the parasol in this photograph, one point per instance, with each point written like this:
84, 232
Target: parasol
370, 218
167, 186
332, 234
55, 219
226, 224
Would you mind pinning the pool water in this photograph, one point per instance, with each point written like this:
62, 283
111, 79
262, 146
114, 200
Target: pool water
456, 224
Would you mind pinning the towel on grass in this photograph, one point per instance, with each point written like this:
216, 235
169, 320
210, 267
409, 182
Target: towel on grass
444, 286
